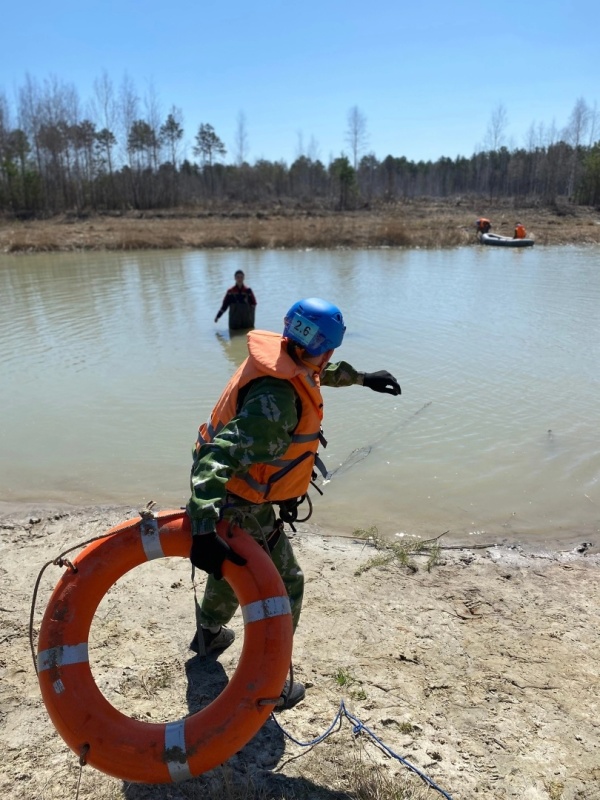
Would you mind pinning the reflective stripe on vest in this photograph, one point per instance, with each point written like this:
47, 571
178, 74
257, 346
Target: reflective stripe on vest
299, 438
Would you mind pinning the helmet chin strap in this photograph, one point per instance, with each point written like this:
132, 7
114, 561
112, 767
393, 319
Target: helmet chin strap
315, 361
300, 355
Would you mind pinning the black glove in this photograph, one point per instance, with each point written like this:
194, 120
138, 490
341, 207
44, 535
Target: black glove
209, 552
382, 381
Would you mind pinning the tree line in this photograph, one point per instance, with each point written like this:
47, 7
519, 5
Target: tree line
121, 154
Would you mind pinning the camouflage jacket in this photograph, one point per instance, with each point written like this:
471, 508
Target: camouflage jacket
268, 426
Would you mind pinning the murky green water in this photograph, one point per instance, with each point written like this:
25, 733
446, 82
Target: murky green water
109, 362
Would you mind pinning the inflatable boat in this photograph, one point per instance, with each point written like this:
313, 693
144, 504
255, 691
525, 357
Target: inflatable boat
504, 241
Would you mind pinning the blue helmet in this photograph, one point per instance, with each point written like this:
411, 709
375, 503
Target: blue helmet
314, 324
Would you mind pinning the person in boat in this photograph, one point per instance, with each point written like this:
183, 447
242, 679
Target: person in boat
258, 450
241, 302
482, 225
520, 232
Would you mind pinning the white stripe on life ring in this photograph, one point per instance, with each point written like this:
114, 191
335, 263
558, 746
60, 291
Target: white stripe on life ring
175, 752
151, 539
62, 655
264, 609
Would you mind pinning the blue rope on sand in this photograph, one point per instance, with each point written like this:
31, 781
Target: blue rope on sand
357, 727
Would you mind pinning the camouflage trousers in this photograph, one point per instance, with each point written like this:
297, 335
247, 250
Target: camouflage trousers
219, 602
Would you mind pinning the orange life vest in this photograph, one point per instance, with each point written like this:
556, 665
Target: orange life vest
520, 232
289, 476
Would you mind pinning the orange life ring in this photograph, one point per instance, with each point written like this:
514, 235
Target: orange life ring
161, 752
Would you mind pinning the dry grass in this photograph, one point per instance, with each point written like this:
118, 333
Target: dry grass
345, 774
352, 772
417, 224
374, 784
402, 552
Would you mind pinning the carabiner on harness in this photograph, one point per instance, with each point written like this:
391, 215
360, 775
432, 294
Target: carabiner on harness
288, 510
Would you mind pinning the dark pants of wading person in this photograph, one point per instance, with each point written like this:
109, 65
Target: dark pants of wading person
241, 316
219, 603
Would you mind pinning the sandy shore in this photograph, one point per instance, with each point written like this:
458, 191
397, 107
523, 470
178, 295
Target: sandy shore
482, 671
417, 223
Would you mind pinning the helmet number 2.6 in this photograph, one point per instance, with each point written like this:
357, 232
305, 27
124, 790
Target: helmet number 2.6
315, 325
304, 329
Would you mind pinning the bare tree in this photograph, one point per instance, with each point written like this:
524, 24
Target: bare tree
540, 136
29, 114
105, 112
153, 118
357, 137
531, 138
593, 125
55, 117
578, 123
314, 151
104, 103
299, 144
496, 129
574, 132
241, 140
5, 129
4, 113
128, 110
6, 150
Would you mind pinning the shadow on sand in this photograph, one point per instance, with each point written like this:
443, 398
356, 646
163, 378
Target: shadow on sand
246, 775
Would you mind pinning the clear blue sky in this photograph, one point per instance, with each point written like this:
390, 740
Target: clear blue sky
427, 76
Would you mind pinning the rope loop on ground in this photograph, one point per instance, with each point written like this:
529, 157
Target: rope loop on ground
82, 755
64, 562
357, 728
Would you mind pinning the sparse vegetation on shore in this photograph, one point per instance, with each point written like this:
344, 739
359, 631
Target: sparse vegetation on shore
416, 224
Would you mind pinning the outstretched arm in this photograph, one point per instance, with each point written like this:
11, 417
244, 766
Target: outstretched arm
343, 374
